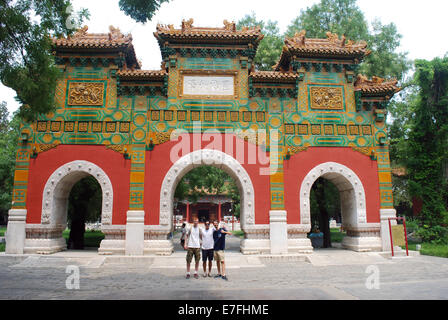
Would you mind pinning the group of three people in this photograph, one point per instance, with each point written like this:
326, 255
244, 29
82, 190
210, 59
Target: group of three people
212, 241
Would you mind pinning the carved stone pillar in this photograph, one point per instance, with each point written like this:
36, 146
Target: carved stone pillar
15, 234
278, 232
135, 229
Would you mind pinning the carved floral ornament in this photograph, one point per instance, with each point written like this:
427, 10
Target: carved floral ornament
326, 98
85, 93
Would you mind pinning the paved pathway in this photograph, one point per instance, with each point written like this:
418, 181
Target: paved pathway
326, 274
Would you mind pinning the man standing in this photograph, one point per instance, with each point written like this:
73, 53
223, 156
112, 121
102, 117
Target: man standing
219, 237
193, 247
207, 248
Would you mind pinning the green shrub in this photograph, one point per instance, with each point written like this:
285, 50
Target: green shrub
412, 224
435, 234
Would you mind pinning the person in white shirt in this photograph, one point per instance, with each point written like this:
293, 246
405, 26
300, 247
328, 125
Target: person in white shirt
193, 246
207, 248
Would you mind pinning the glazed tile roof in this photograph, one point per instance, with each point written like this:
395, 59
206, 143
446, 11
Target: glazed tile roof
273, 76
376, 86
332, 47
99, 41
141, 74
228, 33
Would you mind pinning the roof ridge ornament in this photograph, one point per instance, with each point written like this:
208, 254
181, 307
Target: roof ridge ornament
187, 25
230, 26
80, 33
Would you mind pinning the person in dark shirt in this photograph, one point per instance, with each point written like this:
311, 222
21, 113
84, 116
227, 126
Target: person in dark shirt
219, 237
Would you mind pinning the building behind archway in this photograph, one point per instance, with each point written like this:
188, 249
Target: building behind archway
275, 132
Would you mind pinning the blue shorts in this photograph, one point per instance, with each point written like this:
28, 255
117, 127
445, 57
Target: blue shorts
207, 255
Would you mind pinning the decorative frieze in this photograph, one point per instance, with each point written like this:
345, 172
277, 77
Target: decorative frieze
85, 93
326, 98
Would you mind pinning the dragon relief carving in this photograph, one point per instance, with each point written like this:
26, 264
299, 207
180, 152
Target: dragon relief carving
85, 93
326, 98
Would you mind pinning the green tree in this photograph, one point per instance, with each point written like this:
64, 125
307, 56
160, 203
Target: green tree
140, 10
337, 16
325, 204
26, 61
270, 47
427, 145
85, 202
9, 136
344, 17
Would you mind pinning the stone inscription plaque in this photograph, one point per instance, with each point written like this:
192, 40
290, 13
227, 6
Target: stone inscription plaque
208, 86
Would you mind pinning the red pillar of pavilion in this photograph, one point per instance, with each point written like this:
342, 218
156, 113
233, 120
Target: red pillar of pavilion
188, 212
219, 212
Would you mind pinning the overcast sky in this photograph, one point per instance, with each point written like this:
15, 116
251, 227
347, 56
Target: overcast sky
422, 23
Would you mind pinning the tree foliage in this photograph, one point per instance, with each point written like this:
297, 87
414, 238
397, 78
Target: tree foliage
427, 146
140, 10
270, 47
26, 60
344, 17
337, 16
206, 180
26, 63
9, 136
85, 201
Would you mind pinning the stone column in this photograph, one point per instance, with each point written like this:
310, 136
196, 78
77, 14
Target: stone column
278, 232
135, 233
385, 232
15, 233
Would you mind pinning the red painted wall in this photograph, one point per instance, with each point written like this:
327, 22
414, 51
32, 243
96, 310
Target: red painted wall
111, 162
158, 163
296, 169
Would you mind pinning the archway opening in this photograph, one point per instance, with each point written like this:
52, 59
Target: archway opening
84, 215
326, 216
352, 197
207, 193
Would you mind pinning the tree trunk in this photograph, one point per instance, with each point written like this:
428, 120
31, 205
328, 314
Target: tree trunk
324, 218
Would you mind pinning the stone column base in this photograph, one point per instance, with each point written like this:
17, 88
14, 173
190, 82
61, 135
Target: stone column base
15, 233
158, 247
278, 232
385, 232
111, 246
298, 241
362, 244
135, 233
45, 246
255, 246
300, 246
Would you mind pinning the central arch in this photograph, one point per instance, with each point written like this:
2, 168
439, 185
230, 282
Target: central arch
214, 158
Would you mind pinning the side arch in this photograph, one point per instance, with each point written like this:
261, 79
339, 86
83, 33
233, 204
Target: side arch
213, 158
58, 187
351, 190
